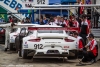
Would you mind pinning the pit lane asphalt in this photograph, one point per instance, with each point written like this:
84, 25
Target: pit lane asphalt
11, 58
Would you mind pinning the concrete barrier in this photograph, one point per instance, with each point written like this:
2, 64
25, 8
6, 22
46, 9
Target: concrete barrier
96, 32
98, 57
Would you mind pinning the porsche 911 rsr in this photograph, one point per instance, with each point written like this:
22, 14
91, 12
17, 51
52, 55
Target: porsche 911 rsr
47, 42
9, 35
16, 32
12, 37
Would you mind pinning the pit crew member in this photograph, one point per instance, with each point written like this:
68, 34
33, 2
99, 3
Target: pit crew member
92, 52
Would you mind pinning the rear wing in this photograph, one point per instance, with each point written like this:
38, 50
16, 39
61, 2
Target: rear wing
23, 25
16, 25
54, 28
5, 25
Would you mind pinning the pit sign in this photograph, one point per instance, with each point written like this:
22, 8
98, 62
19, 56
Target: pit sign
41, 2
13, 6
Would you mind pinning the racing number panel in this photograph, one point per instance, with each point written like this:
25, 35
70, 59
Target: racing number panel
38, 46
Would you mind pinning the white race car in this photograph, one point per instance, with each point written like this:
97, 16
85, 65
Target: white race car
49, 41
12, 37
15, 33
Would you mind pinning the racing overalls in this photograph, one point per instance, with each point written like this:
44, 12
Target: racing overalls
52, 23
92, 54
84, 31
80, 42
80, 46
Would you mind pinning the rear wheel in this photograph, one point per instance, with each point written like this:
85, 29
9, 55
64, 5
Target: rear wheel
19, 53
24, 54
74, 54
11, 46
19, 48
17, 43
5, 49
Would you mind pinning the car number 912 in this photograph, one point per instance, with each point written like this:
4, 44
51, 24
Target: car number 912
38, 46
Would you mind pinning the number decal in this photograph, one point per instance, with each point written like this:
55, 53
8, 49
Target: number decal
38, 46
40, 1
41, 46
35, 46
43, 2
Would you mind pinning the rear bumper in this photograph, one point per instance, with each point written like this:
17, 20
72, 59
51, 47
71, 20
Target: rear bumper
51, 53
64, 54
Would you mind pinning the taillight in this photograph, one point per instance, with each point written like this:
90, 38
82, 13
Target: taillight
68, 40
15, 35
2, 30
35, 40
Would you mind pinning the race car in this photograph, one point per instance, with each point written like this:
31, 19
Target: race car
16, 32
18, 39
8, 27
47, 40
12, 37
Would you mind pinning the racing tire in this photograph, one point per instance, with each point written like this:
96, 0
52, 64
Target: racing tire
76, 55
20, 49
5, 49
19, 53
11, 46
17, 43
24, 54
73, 57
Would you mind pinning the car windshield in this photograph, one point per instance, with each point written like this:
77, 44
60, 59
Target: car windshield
50, 31
23, 30
30, 32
